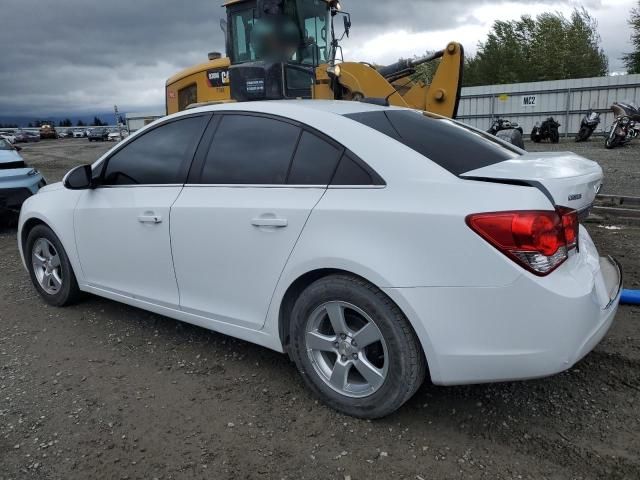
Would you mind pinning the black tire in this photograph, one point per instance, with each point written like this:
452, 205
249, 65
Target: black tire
583, 134
406, 362
554, 136
512, 136
69, 293
535, 135
612, 140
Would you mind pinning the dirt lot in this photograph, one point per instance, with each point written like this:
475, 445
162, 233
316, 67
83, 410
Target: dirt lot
102, 390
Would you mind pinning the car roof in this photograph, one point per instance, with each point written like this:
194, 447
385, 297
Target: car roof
338, 107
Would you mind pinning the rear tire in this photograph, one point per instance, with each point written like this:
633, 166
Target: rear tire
554, 136
49, 267
512, 136
376, 339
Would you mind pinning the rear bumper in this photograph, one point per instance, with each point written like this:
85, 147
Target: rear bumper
533, 328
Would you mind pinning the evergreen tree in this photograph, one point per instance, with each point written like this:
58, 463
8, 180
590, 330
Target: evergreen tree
549, 47
632, 60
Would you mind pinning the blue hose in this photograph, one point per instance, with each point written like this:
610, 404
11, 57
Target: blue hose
630, 297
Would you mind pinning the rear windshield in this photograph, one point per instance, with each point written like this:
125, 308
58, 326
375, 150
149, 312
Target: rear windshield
452, 145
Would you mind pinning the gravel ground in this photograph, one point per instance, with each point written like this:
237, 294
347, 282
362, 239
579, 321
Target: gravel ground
102, 390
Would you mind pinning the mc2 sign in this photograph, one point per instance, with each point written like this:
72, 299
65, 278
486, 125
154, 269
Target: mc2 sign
529, 100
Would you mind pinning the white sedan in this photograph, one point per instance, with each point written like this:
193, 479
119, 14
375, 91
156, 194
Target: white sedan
374, 245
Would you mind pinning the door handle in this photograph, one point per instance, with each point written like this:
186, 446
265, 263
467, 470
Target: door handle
150, 218
269, 222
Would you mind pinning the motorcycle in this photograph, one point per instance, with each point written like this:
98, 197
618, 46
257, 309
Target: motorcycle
626, 125
589, 124
507, 131
547, 130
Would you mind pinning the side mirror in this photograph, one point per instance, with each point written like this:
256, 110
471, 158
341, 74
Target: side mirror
80, 178
347, 24
17, 148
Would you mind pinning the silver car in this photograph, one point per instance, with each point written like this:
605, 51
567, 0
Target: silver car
17, 181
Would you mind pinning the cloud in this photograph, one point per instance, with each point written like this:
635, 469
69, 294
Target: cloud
72, 56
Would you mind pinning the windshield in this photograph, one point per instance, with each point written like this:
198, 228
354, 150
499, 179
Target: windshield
298, 34
4, 145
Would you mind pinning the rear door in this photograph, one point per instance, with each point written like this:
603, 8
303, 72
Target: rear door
239, 217
122, 227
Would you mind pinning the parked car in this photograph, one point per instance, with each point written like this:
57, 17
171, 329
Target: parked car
372, 244
77, 133
17, 181
24, 136
8, 136
98, 135
116, 136
48, 131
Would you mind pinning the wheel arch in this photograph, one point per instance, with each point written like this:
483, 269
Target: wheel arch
303, 281
67, 243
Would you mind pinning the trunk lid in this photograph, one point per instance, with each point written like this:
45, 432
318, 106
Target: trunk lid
567, 179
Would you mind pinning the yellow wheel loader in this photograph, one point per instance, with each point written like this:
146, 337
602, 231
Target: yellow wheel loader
279, 49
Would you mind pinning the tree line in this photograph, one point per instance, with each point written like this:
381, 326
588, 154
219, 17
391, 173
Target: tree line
97, 122
550, 46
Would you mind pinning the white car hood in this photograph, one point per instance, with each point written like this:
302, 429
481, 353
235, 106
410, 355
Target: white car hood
572, 181
8, 156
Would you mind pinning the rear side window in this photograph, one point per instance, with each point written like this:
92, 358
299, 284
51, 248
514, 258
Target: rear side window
451, 145
315, 161
351, 172
251, 151
159, 157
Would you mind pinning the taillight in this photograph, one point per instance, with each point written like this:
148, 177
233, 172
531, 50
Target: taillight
537, 240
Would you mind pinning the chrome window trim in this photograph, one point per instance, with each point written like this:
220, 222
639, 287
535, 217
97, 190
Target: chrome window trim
141, 185
325, 187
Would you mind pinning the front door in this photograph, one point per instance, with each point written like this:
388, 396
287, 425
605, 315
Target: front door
122, 227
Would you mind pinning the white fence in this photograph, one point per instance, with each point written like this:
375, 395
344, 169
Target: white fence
565, 100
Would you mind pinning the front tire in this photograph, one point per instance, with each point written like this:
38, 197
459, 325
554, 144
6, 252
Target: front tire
354, 348
612, 140
49, 267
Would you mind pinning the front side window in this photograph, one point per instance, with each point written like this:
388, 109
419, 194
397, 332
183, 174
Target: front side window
4, 145
249, 150
159, 157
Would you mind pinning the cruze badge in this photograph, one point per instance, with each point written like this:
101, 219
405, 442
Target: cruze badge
574, 197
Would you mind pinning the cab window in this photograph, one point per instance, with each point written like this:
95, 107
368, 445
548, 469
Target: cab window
187, 96
242, 27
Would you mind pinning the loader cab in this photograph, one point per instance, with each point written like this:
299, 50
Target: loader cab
274, 47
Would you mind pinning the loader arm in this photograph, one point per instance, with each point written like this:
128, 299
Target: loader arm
359, 80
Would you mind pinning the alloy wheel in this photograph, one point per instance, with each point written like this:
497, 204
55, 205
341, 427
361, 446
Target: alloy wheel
347, 349
46, 266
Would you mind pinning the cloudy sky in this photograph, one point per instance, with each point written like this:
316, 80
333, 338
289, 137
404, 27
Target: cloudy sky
72, 57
